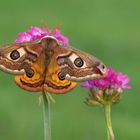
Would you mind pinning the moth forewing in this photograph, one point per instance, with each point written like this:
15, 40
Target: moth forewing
16, 58
80, 66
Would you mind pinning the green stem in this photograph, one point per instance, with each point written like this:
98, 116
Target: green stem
107, 109
46, 116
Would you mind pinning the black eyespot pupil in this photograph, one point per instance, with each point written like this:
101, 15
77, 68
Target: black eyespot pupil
30, 73
14, 55
79, 62
103, 66
61, 76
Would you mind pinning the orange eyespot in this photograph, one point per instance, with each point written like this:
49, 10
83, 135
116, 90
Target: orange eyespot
61, 76
30, 73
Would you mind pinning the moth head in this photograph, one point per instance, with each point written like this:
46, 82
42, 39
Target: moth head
80, 66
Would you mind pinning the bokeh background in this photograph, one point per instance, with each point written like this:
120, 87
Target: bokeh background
107, 29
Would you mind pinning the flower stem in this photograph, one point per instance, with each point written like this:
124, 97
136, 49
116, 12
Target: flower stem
107, 110
46, 116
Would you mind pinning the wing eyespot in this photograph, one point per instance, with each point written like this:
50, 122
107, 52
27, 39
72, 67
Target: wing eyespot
30, 73
61, 76
14, 55
78, 62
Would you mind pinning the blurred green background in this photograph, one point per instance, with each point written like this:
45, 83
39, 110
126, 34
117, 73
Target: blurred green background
108, 29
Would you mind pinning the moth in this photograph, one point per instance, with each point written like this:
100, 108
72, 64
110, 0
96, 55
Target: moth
47, 64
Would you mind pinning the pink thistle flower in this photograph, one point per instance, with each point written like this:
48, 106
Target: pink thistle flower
57, 34
113, 79
37, 33
106, 92
23, 37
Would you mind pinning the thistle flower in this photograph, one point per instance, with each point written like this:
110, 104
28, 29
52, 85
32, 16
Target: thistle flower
36, 33
113, 79
107, 91
113, 85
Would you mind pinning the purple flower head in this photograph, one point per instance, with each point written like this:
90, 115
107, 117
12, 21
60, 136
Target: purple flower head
36, 33
23, 37
113, 79
57, 34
